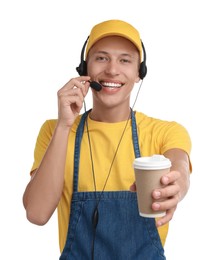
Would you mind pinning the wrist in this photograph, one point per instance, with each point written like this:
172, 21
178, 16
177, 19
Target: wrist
62, 128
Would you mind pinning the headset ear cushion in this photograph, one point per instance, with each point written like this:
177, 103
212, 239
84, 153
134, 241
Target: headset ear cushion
142, 70
82, 69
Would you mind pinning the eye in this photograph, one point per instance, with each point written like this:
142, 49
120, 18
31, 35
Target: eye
125, 61
101, 58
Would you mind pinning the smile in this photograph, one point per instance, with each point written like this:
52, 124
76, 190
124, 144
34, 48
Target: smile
111, 84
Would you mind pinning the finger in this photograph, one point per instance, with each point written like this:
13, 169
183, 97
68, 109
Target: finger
133, 187
70, 103
166, 204
167, 218
170, 177
70, 92
75, 82
70, 98
82, 85
166, 192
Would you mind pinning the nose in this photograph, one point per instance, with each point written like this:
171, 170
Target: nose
112, 68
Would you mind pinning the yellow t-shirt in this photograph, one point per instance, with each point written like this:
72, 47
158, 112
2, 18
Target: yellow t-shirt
155, 137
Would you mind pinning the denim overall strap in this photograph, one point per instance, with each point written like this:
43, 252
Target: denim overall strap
78, 139
135, 135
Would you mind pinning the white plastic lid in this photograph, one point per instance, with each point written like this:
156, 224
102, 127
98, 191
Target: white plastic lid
154, 162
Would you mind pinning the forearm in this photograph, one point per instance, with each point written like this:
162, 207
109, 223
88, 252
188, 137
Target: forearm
44, 191
180, 163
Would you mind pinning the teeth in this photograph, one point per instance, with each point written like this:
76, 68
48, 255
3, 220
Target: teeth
111, 85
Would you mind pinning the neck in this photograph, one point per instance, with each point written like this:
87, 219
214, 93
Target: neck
110, 115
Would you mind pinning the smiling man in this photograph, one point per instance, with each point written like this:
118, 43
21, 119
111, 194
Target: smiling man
83, 162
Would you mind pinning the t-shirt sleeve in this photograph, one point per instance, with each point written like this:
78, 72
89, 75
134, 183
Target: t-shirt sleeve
42, 142
175, 136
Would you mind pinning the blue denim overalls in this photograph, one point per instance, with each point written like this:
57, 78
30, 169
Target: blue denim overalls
106, 225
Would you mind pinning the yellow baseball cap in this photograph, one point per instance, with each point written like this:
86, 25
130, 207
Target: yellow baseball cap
114, 28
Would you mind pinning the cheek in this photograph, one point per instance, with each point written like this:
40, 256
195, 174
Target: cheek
135, 77
88, 65
92, 69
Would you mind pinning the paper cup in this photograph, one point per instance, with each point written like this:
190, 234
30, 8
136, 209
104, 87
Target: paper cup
148, 173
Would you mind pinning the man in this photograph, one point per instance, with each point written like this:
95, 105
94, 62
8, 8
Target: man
83, 163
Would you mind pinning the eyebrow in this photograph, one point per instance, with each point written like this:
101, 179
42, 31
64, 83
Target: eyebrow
122, 54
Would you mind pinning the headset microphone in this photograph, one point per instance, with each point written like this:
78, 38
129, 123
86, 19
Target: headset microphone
95, 85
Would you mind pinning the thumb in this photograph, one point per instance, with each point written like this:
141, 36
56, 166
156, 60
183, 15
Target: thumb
133, 187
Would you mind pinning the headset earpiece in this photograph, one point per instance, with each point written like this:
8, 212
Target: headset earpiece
143, 67
142, 70
82, 68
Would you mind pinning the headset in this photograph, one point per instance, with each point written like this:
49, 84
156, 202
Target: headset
82, 68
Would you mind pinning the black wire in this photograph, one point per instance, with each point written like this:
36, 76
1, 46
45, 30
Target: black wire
120, 140
95, 216
90, 150
137, 94
94, 222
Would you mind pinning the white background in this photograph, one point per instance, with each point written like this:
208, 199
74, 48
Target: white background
39, 49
